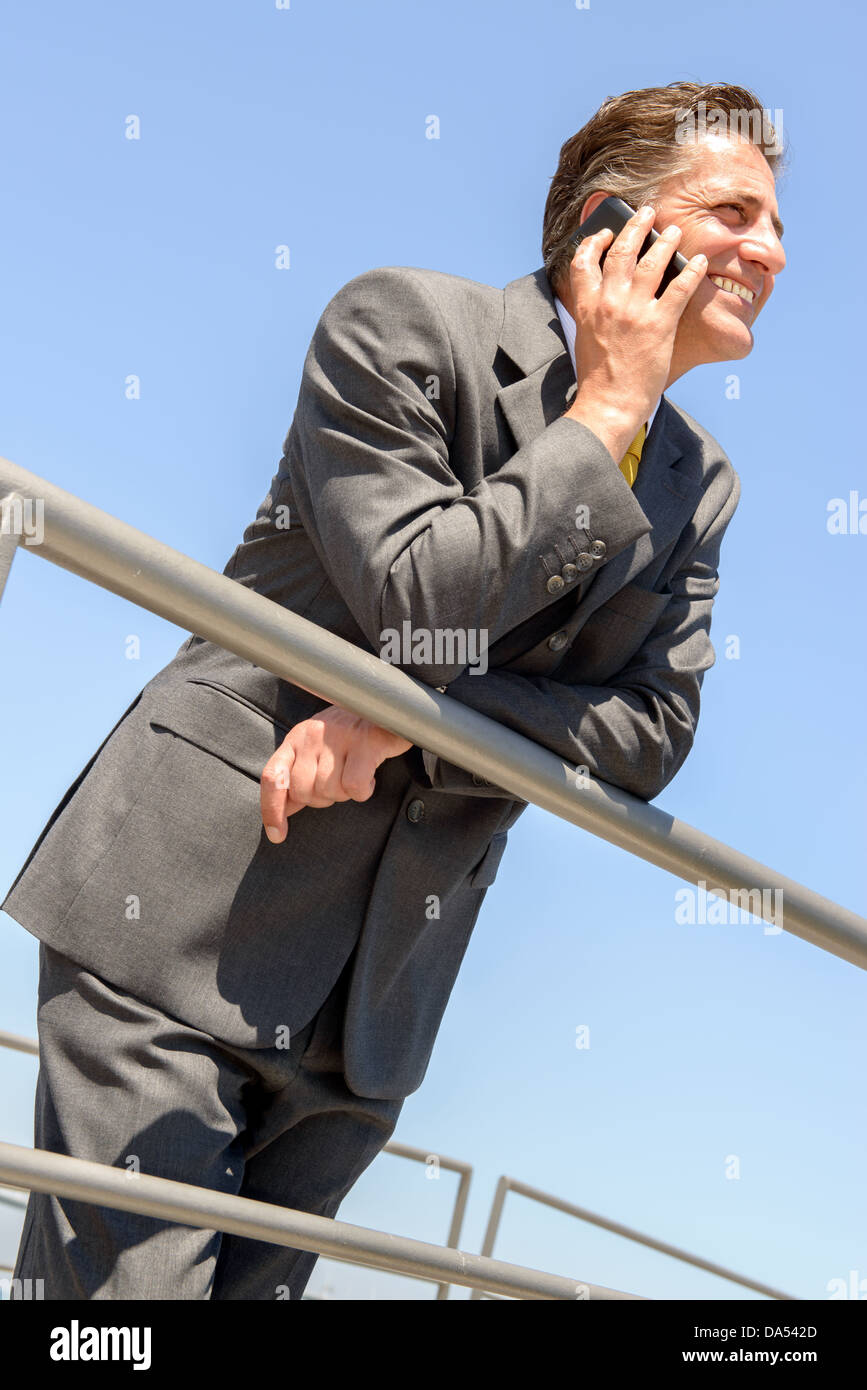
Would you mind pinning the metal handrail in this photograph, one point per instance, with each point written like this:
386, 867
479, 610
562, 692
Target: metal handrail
506, 1184
166, 1200
109, 552
18, 1043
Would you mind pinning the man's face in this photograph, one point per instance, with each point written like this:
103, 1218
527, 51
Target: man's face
725, 206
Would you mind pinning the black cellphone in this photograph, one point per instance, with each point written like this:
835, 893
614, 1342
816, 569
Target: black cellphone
614, 213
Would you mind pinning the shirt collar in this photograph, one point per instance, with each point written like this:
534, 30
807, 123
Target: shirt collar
568, 323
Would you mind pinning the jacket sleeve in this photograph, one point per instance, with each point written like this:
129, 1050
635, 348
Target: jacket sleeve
636, 730
371, 455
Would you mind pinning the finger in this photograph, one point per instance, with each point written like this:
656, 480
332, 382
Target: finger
358, 774
311, 772
585, 268
650, 267
657, 256
621, 259
273, 788
304, 773
293, 807
677, 295
328, 782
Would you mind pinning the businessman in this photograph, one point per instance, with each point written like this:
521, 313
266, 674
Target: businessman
252, 905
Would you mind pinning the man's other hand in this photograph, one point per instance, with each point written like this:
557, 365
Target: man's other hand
331, 757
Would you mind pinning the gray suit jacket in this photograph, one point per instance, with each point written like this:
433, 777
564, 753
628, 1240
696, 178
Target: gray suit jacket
429, 475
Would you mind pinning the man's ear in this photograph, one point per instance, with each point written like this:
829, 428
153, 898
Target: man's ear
592, 204
561, 288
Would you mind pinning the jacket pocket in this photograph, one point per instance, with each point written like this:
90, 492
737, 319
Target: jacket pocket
486, 870
220, 722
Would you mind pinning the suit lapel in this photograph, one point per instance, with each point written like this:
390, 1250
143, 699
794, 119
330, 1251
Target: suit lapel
532, 337
667, 496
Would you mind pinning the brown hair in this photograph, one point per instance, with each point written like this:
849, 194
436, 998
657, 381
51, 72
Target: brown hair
634, 143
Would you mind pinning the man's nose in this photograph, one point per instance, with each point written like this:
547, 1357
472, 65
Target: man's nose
765, 247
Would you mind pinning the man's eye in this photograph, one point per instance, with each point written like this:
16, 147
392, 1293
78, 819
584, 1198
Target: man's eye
738, 207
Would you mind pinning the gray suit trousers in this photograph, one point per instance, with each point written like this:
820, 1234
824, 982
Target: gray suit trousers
124, 1084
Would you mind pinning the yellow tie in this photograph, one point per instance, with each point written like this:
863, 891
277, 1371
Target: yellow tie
629, 463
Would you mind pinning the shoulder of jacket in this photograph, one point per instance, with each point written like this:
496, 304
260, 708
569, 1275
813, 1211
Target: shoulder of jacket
437, 281
456, 297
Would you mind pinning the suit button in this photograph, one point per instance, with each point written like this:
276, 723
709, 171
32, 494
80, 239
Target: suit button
569, 572
584, 560
555, 584
557, 641
415, 810
598, 549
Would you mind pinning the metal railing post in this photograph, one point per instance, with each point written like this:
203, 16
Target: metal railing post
454, 1165
493, 1222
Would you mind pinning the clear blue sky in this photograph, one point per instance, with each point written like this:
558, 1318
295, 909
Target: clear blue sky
306, 126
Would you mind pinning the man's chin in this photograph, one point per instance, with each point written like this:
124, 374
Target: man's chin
729, 344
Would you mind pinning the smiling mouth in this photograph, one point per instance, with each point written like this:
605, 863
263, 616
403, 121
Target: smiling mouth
732, 287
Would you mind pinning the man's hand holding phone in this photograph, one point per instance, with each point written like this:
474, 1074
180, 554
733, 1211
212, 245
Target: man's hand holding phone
625, 335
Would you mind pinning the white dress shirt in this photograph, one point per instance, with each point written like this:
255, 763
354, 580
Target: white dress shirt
569, 329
